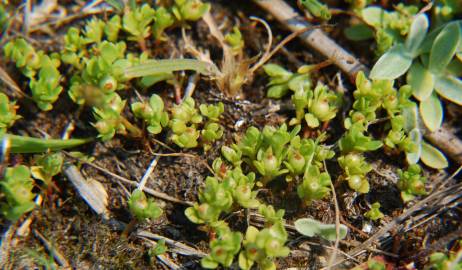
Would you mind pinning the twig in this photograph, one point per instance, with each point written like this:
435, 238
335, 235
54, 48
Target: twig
53, 250
92, 194
150, 191
180, 247
398, 220
314, 38
446, 141
148, 172
11, 83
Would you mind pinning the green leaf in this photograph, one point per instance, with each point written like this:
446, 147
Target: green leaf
431, 112
22, 144
209, 263
392, 64
359, 32
416, 137
433, 157
449, 87
311, 227
117, 4
329, 231
444, 48
307, 226
411, 117
373, 16
417, 34
421, 80
155, 67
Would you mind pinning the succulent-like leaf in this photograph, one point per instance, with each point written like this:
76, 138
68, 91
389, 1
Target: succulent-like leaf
416, 138
421, 80
417, 34
433, 157
431, 112
449, 87
444, 48
311, 227
392, 64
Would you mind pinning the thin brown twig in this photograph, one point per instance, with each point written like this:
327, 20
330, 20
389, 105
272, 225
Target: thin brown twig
52, 249
150, 191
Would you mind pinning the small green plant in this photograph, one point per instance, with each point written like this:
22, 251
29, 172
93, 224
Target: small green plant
162, 20
159, 249
313, 106
375, 265
235, 40
411, 182
189, 10
441, 261
431, 65
355, 168
152, 113
374, 213
311, 227
223, 248
183, 123
7, 113
386, 27
137, 23
212, 130
143, 208
221, 194
41, 69
315, 185
47, 166
262, 247
317, 9
17, 186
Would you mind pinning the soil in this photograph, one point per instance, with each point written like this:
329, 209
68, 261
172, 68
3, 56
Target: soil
89, 242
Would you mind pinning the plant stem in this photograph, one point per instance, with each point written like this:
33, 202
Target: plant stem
134, 130
129, 228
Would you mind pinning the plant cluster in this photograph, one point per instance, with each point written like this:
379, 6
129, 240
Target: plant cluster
411, 182
317, 9
315, 106
432, 65
185, 121
97, 57
41, 70
143, 208
152, 113
386, 27
47, 166
7, 113
17, 186
374, 213
441, 261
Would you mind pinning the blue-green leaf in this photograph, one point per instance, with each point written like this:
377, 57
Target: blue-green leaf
416, 137
411, 117
373, 16
417, 34
449, 87
444, 48
421, 80
431, 112
392, 64
433, 157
